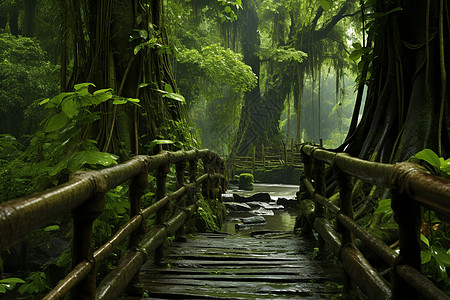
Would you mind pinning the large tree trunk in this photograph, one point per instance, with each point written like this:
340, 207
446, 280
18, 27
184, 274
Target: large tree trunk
407, 104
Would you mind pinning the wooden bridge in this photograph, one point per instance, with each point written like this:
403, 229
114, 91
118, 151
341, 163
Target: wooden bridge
261, 267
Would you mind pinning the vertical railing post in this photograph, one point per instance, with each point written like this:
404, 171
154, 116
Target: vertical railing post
407, 214
180, 168
83, 219
206, 187
193, 165
320, 186
138, 185
292, 152
346, 208
161, 177
263, 156
253, 159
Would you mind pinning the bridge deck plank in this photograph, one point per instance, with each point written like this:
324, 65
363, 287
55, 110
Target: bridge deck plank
217, 266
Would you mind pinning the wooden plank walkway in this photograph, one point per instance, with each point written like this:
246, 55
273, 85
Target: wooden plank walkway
221, 266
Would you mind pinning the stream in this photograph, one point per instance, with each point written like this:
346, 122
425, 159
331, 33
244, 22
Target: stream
281, 220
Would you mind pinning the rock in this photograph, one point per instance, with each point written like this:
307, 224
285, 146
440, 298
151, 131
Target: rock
237, 206
246, 181
254, 220
227, 198
262, 197
262, 212
287, 203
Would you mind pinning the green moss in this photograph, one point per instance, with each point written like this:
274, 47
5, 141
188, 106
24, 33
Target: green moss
246, 181
209, 215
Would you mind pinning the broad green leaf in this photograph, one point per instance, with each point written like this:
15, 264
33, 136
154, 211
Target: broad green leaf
119, 100
384, 206
425, 256
56, 122
356, 54
12, 280
68, 107
227, 9
425, 240
82, 86
442, 255
59, 98
91, 157
51, 228
44, 101
174, 96
159, 142
430, 157
168, 88
101, 97
102, 91
326, 4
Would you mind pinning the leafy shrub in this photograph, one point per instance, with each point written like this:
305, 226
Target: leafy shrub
25, 75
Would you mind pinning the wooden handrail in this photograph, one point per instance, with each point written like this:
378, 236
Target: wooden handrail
84, 194
410, 187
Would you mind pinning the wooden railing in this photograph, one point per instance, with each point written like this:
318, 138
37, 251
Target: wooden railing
266, 158
84, 196
410, 188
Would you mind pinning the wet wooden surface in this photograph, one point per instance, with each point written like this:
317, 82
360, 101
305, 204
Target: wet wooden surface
220, 266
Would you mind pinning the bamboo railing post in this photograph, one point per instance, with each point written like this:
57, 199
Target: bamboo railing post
263, 156
180, 167
408, 214
233, 162
292, 152
320, 186
161, 176
285, 155
206, 187
137, 187
193, 165
83, 219
348, 238
253, 159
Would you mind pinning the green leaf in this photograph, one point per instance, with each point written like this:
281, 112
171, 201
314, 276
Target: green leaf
68, 107
326, 4
51, 228
168, 88
137, 49
119, 100
174, 96
159, 142
91, 157
227, 9
425, 256
356, 54
102, 91
8, 284
425, 240
100, 97
384, 206
56, 122
44, 101
143, 34
83, 86
143, 85
59, 98
430, 157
